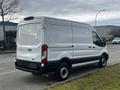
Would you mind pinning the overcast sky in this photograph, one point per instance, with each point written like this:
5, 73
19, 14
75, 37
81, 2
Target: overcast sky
78, 10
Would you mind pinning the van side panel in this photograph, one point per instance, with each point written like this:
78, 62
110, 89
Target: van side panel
81, 40
58, 36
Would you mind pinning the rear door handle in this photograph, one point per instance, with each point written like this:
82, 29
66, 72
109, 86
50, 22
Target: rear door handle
93, 46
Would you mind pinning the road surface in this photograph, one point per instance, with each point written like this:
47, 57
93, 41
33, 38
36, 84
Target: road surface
12, 79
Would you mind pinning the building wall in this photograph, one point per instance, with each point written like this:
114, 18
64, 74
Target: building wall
10, 29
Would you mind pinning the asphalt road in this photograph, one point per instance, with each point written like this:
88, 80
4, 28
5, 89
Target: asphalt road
12, 79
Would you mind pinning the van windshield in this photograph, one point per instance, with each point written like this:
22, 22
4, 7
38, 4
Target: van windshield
29, 34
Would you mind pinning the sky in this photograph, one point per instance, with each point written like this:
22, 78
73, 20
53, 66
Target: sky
77, 10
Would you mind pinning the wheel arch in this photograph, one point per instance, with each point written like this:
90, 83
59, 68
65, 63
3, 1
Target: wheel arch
106, 55
66, 60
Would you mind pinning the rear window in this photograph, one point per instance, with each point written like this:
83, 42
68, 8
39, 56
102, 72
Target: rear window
29, 34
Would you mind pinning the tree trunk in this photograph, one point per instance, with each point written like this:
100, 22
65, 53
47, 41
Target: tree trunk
3, 25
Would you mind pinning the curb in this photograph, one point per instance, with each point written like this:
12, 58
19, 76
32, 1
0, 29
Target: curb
79, 76
7, 52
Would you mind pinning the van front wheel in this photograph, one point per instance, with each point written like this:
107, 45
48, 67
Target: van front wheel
63, 72
103, 61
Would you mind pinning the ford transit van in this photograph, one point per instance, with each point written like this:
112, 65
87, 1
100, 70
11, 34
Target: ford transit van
46, 44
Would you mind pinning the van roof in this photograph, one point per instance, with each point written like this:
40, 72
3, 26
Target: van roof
46, 19
52, 18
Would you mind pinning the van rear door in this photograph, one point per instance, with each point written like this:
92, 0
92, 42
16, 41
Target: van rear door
29, 41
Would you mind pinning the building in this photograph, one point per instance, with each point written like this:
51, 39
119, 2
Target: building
10, 29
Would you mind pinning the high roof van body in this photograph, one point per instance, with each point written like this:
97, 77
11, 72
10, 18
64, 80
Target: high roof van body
46, 44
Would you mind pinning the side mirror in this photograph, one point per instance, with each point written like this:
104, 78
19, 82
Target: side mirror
98, 42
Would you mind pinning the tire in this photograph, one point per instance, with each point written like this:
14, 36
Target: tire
63, 71
114, 42
103, 61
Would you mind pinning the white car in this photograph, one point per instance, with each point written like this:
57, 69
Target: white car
116, 41
47, 44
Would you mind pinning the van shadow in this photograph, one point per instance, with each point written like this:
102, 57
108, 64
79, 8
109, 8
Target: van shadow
47, 81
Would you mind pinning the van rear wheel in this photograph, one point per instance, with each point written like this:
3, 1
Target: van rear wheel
63, 72
102, 61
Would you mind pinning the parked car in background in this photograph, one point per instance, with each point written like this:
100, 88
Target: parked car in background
116, 41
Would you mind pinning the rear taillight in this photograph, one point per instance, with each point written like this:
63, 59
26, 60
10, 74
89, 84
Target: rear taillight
44, 53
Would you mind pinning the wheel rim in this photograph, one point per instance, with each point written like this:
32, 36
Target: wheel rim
104, 61
64, 72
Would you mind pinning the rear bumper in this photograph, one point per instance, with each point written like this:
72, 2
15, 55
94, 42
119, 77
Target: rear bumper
28, 66
35, 67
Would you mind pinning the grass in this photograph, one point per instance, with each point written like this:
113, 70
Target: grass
103, 79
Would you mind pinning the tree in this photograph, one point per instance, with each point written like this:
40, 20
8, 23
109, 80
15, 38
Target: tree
7, 7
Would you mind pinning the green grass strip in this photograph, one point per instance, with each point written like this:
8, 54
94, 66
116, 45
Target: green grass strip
103, 79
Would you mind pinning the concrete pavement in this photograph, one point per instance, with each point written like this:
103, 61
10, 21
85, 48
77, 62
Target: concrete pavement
13, 79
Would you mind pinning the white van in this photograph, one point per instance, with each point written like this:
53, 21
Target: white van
46, 44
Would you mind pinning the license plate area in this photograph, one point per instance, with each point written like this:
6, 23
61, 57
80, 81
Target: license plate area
32, 66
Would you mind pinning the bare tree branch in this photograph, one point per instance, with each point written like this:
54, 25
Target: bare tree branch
6, 1
10, 6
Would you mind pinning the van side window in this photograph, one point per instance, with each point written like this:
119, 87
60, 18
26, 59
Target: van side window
96, 39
